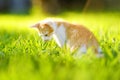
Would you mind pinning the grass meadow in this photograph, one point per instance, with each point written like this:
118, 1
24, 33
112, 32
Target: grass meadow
24, 56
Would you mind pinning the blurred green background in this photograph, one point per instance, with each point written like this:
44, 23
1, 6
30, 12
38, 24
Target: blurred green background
24, 56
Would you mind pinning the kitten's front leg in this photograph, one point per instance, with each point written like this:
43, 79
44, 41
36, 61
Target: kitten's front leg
60, 36
57, 39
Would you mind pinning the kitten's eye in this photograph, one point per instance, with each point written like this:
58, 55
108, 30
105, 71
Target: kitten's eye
46, 34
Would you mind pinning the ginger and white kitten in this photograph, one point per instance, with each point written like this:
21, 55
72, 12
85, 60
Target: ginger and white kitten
77, 37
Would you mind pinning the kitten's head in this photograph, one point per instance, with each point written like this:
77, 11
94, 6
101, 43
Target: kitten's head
44, 30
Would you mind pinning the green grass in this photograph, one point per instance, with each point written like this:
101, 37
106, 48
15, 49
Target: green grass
24, 56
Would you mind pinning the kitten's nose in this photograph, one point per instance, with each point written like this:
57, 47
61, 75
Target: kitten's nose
45, 40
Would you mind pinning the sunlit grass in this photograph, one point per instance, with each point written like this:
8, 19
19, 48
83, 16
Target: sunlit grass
24, 56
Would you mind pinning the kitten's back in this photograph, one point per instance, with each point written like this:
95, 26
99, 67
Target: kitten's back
78, 35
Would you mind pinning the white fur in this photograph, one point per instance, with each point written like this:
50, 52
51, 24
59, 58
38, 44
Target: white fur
100, 53
99, 50
60, 36
82, 50
46, 38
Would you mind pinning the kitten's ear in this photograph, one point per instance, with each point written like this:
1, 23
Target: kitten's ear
46, 25
35, 25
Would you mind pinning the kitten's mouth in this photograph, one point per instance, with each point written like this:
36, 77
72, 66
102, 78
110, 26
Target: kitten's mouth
46, 40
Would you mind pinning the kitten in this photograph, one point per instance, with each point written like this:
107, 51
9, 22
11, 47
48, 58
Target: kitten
75, 36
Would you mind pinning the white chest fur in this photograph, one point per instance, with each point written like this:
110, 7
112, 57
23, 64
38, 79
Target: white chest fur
60, 35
